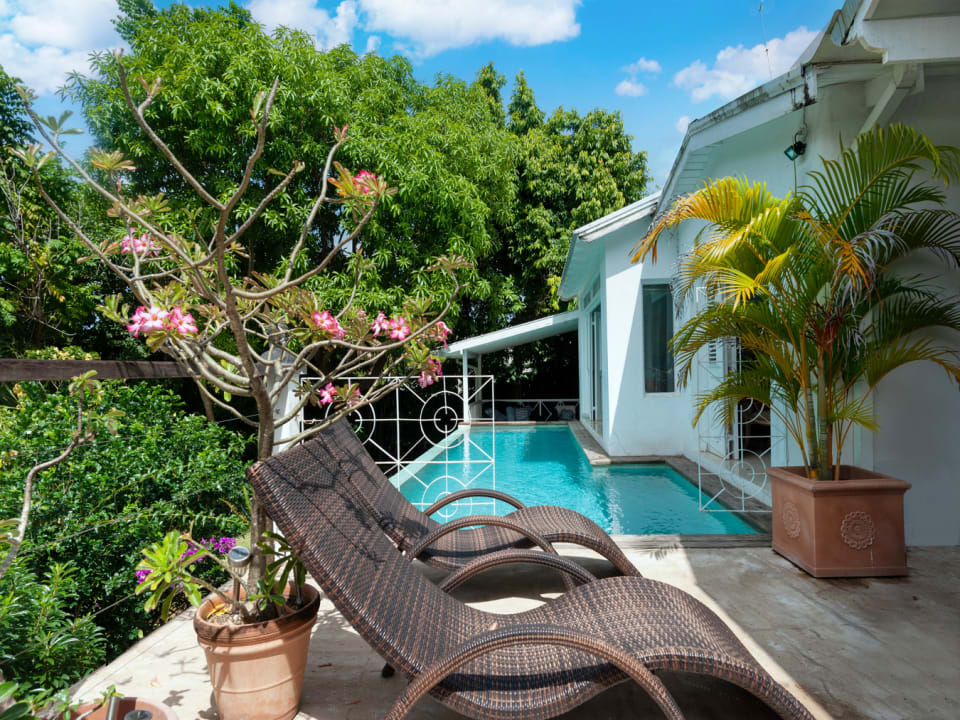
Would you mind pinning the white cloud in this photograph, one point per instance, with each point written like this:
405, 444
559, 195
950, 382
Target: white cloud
432, 26
66, 24
373, 43
330, 30
630, 88
737, 70
41, 42
682, 123
642, 65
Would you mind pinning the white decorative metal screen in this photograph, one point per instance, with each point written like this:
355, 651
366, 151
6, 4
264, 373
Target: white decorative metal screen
417, 437
732, 460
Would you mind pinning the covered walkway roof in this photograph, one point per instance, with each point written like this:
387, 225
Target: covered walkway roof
515, 335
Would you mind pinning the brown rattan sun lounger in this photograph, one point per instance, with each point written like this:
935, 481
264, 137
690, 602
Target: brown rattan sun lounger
533, 665
451, 546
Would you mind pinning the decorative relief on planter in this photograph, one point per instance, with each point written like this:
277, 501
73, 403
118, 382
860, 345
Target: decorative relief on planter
791, 519
858, 530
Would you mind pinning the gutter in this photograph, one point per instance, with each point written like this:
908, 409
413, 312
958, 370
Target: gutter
803, 76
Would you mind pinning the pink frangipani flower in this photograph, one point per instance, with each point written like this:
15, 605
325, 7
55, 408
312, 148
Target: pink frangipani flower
327, 394
366, 181
182, 322
399, 328
156, 319
329, 324
142, 245
441, 332
430, 373
380, 324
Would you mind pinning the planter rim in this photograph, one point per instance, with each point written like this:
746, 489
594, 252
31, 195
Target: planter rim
251, 633
876, 482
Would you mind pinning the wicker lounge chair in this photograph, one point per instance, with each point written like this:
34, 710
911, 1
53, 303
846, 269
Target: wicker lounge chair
535, 664
450, 546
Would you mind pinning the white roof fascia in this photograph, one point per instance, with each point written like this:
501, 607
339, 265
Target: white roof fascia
570, 283
521, 334
618, 218
791, 91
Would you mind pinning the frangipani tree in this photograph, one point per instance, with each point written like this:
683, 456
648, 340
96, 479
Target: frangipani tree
247, 334
808, 285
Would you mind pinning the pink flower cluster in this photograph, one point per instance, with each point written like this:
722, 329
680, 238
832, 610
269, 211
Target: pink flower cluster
366, 181
328, 393
397, 327
329, 324
441, 331
156, 319
429, 375
142, 245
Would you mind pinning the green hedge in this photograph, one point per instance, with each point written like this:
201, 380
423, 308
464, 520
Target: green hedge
165, 469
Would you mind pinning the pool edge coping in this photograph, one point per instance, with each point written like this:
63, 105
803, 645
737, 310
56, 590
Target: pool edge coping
680, 464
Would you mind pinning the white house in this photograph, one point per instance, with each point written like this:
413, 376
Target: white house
876, 62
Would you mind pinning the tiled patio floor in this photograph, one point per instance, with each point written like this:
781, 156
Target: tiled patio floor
880, 649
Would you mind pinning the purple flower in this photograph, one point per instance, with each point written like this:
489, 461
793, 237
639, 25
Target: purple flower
224, 545
142, 575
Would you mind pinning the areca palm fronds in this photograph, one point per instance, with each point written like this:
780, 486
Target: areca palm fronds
808, 285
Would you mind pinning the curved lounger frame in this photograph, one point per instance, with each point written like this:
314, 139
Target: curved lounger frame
491, 666
408, 526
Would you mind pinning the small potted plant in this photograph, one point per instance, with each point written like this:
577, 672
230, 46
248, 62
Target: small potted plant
255, 638
809, 288
253, 333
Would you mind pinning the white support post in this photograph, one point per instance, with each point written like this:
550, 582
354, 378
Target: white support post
286, 403
465, 370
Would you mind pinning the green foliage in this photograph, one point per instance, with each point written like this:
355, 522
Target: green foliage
42, 641
809, 285
441, 145
15, 128
571, 170
46, 295
163, 470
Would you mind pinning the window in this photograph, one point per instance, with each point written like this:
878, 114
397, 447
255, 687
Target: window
657, 331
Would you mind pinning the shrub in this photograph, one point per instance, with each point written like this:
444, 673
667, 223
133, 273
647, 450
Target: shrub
41, 642
164, 470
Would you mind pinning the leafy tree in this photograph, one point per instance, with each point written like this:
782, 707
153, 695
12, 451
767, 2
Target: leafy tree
46, 297
442, 145
572, 169
14, 125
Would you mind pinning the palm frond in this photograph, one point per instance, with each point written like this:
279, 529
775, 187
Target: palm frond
728, 203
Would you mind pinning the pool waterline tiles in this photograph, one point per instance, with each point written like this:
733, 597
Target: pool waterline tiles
544, 465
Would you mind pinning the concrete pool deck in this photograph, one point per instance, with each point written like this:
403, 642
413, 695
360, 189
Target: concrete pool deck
851, 648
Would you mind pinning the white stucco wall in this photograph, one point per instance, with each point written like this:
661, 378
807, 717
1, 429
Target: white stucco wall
918, 407
640, 423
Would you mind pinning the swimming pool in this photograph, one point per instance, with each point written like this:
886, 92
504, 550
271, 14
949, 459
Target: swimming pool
544, 465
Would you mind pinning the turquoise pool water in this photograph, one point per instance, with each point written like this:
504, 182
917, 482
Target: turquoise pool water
543, 465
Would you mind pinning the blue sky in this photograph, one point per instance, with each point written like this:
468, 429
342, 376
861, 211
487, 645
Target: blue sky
659, 63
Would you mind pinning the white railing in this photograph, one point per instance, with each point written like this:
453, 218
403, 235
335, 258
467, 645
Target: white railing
416, 436
527, 409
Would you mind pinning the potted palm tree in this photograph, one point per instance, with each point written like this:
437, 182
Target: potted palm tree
809, 285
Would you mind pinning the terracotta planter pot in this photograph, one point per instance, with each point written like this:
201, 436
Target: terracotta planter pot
852, 527
127, 704
257, 669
